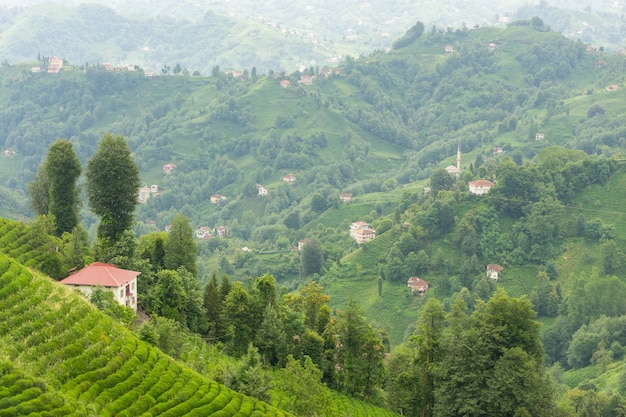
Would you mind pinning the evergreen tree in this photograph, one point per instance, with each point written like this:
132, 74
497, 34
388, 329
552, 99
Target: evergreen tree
311, 258
112, 186
237, 316
428, 337
54, 190
308, 397
249, 378
180, 249
358, 354
213, 306
270, 336
39, 192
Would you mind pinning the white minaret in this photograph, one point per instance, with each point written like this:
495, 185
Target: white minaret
458, 157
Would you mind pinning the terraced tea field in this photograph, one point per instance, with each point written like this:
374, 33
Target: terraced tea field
66, 355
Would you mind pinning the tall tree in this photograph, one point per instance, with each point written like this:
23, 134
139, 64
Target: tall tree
493, 363
112, 186
358, 353
39, 192
180, 249
428, 340
311, 258
54, 189
213, 306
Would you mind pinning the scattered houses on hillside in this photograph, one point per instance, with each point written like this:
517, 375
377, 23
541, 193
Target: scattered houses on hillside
54, 64
361, 232
121, 282
145, 193
203, 232
169, 168
218, 198
452, 170
289, 178
221, 231
480, 187
418, 285
305, 80
345, 197
494, 271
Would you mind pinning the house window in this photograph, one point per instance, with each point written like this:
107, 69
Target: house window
121, 292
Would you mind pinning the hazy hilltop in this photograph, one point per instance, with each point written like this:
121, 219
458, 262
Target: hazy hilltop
268, 35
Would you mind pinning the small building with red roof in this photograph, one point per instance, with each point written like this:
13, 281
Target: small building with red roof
480, 187
494, 271
121, 282
418, 285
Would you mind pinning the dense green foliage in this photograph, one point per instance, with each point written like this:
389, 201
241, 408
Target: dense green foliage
112, 187
54, 190
528, 116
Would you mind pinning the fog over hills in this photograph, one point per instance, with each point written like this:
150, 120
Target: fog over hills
270, 35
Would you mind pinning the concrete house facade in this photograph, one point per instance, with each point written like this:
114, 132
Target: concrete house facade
121, 282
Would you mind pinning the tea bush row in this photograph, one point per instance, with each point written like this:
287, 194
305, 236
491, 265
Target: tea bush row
95, 363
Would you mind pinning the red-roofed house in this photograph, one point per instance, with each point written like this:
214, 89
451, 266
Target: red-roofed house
121, 282
480, 187
493, 271
285, 83
418, 285
168, 168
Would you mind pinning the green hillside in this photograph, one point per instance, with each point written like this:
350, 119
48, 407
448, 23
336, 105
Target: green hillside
525, 108
52, 334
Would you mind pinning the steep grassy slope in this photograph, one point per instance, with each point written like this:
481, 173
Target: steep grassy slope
53, 334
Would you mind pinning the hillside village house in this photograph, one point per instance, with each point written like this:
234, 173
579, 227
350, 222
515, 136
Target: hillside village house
121, 282
539, 136
221, 231
218, 198
261, 190
285, 83
494, 271
203, 232
54, 64
345, 197
169, 168
361, 232
306, 80
301, 243
418, 285
289, 178
480, 187
452, 170
449, 49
